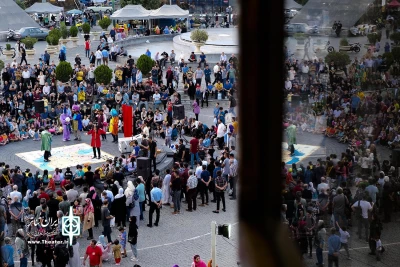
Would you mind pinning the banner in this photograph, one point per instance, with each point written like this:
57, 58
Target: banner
127, 115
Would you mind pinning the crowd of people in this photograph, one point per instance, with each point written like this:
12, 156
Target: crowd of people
358, 105
110, 196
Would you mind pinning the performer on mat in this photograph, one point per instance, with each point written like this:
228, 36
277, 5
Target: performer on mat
66, 123
96, 132
114, 125
46, 143
77, 122
291, 136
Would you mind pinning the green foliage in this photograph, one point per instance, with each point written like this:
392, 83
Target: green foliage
63, 30
8, 47
73, 31
54, 37
21, 4
182, 4
131, 2
395, 37
396, 54
344, 42
63, 71
29, 42
86, 28
151, 4
1, 64
104, 23
198, 35
389, 58
144, 64
341, 59
299, 36
373, 37
103, 74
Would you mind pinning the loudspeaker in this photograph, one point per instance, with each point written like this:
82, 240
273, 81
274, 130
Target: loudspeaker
39, 106
179, 112
396, 157
143, 167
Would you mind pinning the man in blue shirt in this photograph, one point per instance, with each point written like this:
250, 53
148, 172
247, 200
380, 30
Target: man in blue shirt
148, 53
185, 69
7, 252
202, 59
355, 101
227, 88
207, 74
333, 248
204, 181
105, 55
155, 204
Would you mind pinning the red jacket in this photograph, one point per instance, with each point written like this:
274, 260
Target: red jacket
96, 137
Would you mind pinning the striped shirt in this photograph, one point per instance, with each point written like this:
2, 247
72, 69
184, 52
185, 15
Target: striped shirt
233, 169
220, 182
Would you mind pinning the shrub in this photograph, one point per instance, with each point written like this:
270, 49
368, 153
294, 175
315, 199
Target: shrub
396, 54
54, 37
299, 36
86, 28
63, 30
344, 42
104, 23
63, 71
29, 42
144, 64
103, 74
8, 47
341, 59
73, 31
372, 38
1, 64
388, 57
200, 36
395, 37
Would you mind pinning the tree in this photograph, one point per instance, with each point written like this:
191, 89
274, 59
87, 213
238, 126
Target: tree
63, 71
151, 4
86, 28
103, 74
104, 23
131, 2
73, 31
29, 42
63, 30
341, 59
21, 4
200, 36
144, 64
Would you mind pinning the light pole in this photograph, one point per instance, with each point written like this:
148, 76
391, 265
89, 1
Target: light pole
213, 242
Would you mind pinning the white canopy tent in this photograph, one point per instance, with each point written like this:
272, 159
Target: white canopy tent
291, 4
44, 8
130, 12
169, 12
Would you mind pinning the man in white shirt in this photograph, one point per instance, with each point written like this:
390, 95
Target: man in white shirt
222, 59
216, 70
288, 84
323, 186
99, 57
221, 134
15, 193
337, 112
46, 89
365, 206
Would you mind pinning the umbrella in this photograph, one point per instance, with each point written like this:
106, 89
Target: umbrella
74, 12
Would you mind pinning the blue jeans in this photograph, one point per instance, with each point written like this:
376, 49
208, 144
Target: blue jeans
128, 82
143, 103
134, 250
192, 158
24, 262
232, 110
231, 80
141, 209
176, 198
320, 258
342, 216
154, 79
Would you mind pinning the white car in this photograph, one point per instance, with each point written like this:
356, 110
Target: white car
300, 28
96, 9
290, 13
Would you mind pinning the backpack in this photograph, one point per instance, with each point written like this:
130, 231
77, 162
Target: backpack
63, 256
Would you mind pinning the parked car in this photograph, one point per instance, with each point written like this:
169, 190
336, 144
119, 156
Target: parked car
300, 28
96, 9
290, 13
34, 32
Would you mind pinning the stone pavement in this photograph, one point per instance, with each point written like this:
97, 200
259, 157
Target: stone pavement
359, 249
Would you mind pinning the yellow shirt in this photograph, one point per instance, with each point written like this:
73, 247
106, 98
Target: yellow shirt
118, 74
46, 102
235, 125
117, 251
397, 106
218, 86
79, 76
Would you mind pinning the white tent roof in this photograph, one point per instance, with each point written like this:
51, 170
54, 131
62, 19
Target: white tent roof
131, 12
169, 12
43, 8
289, 4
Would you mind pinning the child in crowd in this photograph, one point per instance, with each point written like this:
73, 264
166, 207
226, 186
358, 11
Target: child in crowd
379, 249
23, 134
3, 139
116, 249
122, 237
344, 239
78, 177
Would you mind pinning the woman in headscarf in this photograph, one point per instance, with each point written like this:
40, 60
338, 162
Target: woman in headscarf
135, 210
88, 218
25, 200
115, 188
118, 208
105, 248
75, 261
128, 194
197, 262
96, 202
33, 202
